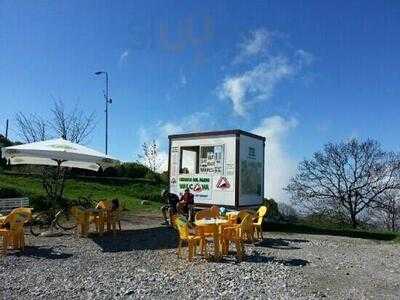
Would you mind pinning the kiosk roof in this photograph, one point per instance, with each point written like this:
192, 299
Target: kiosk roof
236, 132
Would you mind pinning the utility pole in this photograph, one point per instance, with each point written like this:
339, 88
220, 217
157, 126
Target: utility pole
108, 101
7, 129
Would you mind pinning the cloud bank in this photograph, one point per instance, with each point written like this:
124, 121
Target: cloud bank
279, 166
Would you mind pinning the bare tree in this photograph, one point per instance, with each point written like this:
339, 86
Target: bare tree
345, 178
388, 212
74, 125
32, 128
150, 156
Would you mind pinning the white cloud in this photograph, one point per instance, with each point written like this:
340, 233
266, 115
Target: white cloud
256, 43
279, 166
123, 57
197, 121
256, 84
269, 62
303, 58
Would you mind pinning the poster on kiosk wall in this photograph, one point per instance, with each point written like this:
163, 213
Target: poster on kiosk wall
199, 185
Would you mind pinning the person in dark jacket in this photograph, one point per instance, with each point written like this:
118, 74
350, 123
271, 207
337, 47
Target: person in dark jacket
171, 200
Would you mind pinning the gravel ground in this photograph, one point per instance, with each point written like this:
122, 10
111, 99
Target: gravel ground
140, 262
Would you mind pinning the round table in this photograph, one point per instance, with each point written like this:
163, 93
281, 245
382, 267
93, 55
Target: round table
214, 225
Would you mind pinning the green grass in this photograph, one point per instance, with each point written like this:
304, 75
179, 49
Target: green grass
129, 192
322, 229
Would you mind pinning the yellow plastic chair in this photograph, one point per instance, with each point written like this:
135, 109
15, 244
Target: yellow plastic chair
203, 214
6, 235
248, 231
12, 229
101, 219
81, 220
113, 217
261, 212
104, 204
184, 236
214, 211
242, 214
236, 234
173, 220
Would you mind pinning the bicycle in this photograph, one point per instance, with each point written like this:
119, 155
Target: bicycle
46, 221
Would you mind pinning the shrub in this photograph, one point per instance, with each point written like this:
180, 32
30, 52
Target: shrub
7, 192
132, 170
155, 197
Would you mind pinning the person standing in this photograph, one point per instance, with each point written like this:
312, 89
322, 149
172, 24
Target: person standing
185, 204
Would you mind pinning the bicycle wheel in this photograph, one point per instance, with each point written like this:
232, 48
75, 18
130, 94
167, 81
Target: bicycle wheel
64, 220
40, 223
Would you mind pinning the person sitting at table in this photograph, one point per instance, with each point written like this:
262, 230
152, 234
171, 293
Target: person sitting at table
114, 204
185, 204
171, 200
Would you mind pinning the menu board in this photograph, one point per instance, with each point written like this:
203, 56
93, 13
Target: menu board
212, 159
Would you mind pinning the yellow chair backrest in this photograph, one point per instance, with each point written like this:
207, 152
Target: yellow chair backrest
242, 214
18, 217
26, 211
104, 204
203, 214
183, 228
260, 214
246, 225
214, 210
78, 213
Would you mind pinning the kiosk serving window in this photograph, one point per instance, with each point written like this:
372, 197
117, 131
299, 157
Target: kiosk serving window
189, 160
204, 160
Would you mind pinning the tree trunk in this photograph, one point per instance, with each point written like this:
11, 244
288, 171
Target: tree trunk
353, 220
393, 216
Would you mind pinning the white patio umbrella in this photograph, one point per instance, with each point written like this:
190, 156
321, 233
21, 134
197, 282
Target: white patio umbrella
61, 154
58, 152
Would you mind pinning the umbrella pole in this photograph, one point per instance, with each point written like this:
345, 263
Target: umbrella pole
60, 175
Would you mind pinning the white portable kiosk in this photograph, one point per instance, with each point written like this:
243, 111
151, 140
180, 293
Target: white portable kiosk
224, 168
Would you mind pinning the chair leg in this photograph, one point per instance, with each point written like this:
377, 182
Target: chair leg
225, 247
242, 249
114, 227
190, 249
179, 248
22, 241
238, 250
5, 245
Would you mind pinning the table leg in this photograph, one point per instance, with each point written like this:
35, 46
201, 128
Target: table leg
217, 252
108, 220
101, 223
85, 227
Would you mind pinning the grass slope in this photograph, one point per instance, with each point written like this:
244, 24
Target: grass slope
130, 193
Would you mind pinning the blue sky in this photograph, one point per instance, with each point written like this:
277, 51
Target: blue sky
301, 73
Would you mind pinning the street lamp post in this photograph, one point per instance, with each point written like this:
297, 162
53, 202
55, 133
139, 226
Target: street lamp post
108, 101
